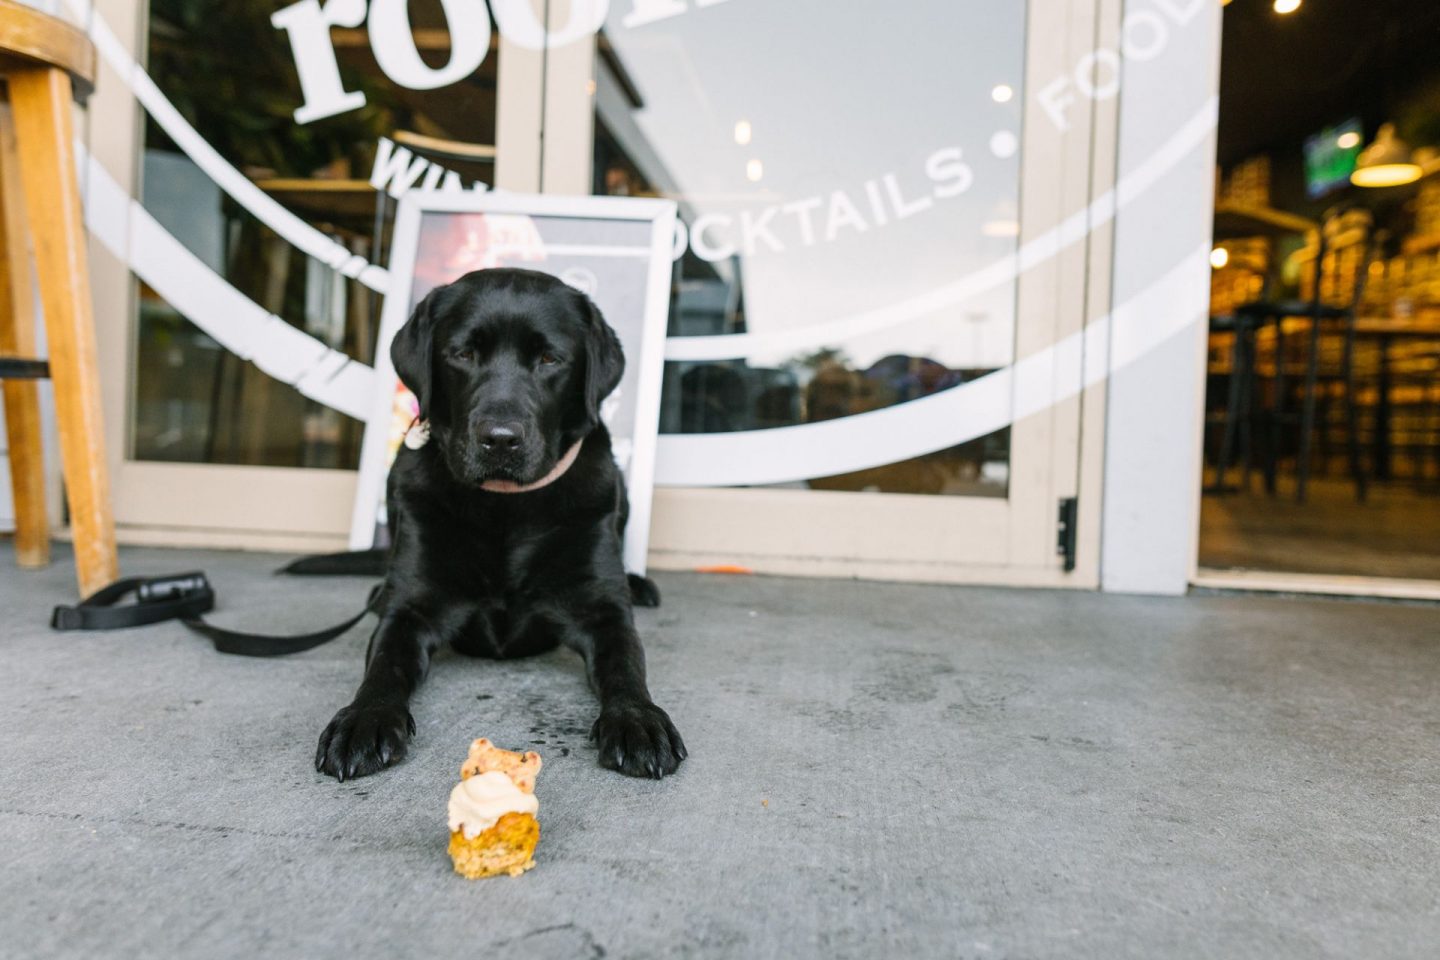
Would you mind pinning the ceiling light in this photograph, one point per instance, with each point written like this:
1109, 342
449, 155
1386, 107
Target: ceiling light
742, 132
1287, 6
1002, 93
754, 170
1219, 257
1386, 162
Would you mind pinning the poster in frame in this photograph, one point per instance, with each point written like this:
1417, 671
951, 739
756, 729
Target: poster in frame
615, 249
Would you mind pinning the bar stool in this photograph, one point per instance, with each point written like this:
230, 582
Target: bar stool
45, 63
1317, 316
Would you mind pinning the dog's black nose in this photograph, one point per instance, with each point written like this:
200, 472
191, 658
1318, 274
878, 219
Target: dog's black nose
499, 436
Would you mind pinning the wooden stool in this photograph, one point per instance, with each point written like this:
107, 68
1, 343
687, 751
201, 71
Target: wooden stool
45, 63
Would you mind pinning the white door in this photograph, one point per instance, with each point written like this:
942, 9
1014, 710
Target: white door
876, 357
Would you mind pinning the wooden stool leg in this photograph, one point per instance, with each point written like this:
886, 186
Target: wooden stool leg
17, 339
41, 102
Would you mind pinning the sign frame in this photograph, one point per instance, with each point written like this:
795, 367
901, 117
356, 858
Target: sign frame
648, 360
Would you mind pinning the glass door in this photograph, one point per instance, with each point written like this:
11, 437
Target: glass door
876, 354
888, 260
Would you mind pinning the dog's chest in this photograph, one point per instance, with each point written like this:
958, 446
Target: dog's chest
505, 564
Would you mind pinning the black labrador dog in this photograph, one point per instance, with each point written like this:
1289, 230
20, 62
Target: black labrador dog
508, 521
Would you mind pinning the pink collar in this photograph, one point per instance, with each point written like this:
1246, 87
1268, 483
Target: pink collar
556, 472
419, 434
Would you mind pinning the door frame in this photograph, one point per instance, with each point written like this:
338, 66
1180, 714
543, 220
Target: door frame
283, 508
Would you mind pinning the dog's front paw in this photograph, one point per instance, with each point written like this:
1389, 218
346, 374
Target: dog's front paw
638, 739
364, 739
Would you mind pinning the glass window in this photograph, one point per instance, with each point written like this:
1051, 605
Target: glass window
848, 178
234, 75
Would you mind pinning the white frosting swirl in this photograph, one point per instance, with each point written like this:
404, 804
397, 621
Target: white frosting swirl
476, 803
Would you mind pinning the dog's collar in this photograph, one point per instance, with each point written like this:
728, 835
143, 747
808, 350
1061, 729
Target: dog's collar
419, 434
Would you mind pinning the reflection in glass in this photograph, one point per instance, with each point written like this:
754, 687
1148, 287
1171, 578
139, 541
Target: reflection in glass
836, 174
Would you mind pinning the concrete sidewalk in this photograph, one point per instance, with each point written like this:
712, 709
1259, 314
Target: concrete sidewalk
875, 770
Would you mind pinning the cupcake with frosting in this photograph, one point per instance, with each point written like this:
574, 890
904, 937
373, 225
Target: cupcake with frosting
493, 829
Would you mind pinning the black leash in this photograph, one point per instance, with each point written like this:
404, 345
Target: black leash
185, 597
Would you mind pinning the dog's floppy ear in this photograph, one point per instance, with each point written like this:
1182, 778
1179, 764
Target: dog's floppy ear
604, 362
411, 353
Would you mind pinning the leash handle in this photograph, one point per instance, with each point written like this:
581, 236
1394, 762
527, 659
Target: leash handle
157, 599
184, 597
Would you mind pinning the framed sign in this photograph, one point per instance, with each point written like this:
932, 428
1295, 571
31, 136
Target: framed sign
615, 249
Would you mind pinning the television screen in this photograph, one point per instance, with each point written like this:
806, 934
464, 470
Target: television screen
1330, 157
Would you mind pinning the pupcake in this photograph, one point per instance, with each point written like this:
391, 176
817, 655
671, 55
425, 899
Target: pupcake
492, 811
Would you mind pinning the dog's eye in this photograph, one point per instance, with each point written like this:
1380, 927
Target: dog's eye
549, 359
464, 355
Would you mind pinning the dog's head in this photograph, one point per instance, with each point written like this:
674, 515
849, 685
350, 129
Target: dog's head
510, 367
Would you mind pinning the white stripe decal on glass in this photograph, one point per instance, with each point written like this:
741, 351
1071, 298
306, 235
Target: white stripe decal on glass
780, 455
1073, 229
943, 420
210, 302
232, 181
734, 346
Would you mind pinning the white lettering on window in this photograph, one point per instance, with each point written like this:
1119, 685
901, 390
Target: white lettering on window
394, 43
307, 26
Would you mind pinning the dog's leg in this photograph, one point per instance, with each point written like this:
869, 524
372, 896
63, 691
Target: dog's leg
373, 731
633, 735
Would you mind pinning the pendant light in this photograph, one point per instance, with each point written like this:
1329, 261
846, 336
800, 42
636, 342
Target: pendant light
1386, 162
